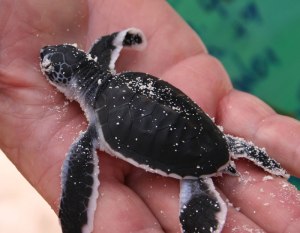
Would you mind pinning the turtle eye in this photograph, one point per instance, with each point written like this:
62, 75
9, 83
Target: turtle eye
71, 56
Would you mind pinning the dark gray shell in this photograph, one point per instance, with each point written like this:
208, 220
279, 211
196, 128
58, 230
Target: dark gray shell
155, 124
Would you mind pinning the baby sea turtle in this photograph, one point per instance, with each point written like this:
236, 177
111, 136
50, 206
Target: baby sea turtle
147, 122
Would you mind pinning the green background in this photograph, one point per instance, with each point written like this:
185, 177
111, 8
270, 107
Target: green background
258, 43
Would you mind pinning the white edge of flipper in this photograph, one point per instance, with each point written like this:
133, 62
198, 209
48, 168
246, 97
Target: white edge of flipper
240, 143
88, 228
118, 43
221, 216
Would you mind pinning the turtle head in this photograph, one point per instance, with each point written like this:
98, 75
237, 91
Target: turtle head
60, 63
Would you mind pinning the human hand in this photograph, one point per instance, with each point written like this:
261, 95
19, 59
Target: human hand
38, 125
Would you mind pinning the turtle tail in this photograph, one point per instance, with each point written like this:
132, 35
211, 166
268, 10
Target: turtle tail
240, 148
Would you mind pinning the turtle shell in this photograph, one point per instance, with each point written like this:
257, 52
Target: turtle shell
148, 121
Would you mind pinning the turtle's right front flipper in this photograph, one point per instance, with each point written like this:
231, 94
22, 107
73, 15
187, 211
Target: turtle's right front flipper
80, 185
107, 49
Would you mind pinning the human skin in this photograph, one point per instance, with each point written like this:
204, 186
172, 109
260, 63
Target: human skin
37, 125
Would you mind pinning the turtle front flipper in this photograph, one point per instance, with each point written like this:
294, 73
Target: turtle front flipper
80, 185
240, 148
202, 210
107, 49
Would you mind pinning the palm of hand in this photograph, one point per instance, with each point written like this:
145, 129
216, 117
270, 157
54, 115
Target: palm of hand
37, 128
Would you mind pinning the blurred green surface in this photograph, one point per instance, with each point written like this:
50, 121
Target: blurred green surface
259, 44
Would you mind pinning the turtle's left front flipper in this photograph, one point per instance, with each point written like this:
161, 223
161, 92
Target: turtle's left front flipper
202, 210
107, 49
80, 185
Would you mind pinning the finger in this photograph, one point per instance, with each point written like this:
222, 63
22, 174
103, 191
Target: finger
236, 221
203, 79
239, 223
264, 199
161, 195
119, 209
244, 115
192, 76
40, 160
170, 40
37, 129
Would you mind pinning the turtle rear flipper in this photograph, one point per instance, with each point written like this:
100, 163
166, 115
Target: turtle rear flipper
80, 185
201, 207
240, 148
107, 49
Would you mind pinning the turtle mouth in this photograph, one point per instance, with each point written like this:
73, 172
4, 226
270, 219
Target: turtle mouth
46, 65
